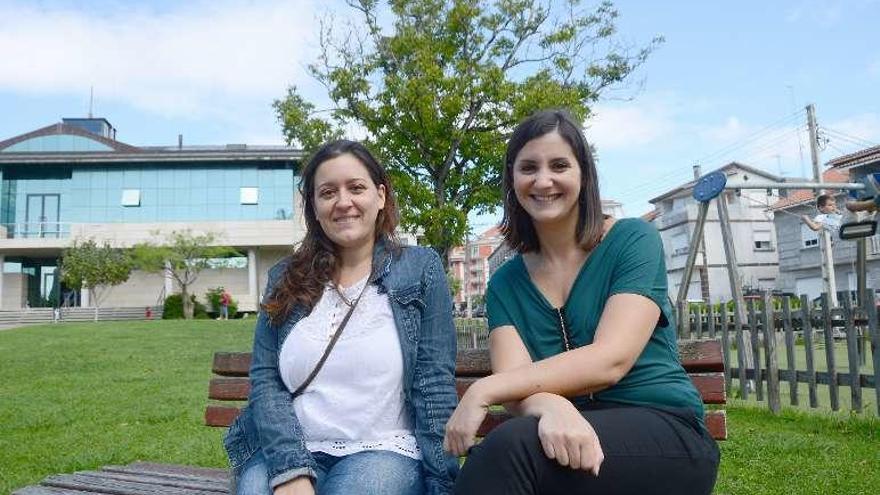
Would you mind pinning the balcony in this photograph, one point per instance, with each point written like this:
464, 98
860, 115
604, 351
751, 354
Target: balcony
24, 237
35, 230
673, 217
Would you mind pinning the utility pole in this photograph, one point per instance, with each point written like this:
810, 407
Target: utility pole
824, 236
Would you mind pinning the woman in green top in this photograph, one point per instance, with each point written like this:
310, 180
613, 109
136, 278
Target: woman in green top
582, 343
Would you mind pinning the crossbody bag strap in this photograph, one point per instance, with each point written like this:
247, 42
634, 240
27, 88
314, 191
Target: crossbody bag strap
330, 345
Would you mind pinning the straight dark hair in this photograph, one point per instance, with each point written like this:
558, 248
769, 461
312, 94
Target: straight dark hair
311, 265
517, 226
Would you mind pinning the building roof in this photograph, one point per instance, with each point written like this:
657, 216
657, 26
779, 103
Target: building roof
69, 130
861, 157
651, 215
491, 232
801, 196
728, 169
120, 152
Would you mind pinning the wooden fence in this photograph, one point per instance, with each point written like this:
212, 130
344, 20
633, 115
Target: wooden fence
753, 350
838, 349
472, 333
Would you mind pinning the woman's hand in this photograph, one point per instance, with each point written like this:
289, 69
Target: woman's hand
461, 429
297, 486
569, 438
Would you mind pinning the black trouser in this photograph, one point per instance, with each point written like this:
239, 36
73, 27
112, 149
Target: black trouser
647, 451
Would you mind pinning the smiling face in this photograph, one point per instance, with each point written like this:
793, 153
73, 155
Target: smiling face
547, 180
347, 201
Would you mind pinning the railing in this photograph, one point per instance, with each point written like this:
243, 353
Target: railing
58, 315
35, 230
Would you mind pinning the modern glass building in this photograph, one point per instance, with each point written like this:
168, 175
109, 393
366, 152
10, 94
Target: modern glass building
74, 180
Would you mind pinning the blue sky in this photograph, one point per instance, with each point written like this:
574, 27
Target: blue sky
729, 83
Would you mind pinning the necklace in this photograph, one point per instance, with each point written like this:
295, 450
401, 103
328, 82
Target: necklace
351, 302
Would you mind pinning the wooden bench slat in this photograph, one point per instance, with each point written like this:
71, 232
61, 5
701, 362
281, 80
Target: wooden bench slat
220, 415
45, 490
190, 483
92, 482
700, 356
697, 356
223, 416
172, 470
229, 388
716, 423
232, 363
709, 385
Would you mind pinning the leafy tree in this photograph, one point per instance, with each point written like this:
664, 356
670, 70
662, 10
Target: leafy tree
94, 267
454, 284
183, 256
438, 94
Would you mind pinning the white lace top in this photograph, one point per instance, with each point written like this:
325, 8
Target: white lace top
356, 401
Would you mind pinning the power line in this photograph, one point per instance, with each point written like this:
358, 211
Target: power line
745, 140
755, 139
849, 137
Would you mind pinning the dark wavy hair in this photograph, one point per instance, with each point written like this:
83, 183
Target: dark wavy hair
311, 265
516, 226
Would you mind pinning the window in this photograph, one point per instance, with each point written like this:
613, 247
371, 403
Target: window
249, 195
680, 244
809, 238
131, 197
762, 240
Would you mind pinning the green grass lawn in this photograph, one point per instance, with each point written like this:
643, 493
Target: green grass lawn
79, 396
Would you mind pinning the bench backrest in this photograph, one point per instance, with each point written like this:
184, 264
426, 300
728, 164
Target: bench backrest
701, 359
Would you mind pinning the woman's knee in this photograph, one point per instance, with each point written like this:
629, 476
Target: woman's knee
373, 472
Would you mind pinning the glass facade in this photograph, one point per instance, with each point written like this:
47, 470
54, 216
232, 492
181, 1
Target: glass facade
35, 203
55, 144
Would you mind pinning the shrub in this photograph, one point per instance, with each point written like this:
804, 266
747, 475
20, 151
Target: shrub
173, 308
213, 298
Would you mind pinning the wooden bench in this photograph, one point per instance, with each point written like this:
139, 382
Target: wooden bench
701, 359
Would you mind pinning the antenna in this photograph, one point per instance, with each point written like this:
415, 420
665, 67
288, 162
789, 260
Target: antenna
91, 99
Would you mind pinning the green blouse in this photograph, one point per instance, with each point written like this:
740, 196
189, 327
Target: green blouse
629, 260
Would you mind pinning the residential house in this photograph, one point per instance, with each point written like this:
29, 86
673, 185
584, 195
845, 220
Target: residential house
754, 236
800, 258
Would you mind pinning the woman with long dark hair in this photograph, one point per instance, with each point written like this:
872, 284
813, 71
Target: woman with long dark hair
582, 343
352, 377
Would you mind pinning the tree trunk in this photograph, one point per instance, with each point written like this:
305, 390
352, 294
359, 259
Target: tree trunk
187, 303
443, 251
94, 295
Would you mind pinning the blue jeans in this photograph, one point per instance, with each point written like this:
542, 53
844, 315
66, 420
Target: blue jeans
371, 472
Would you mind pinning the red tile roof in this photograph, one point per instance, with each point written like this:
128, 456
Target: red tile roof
799, 196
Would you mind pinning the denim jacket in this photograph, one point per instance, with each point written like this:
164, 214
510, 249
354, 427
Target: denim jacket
415, 282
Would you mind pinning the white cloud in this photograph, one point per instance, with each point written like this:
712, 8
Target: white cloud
731, 130
631, 124
189, 62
